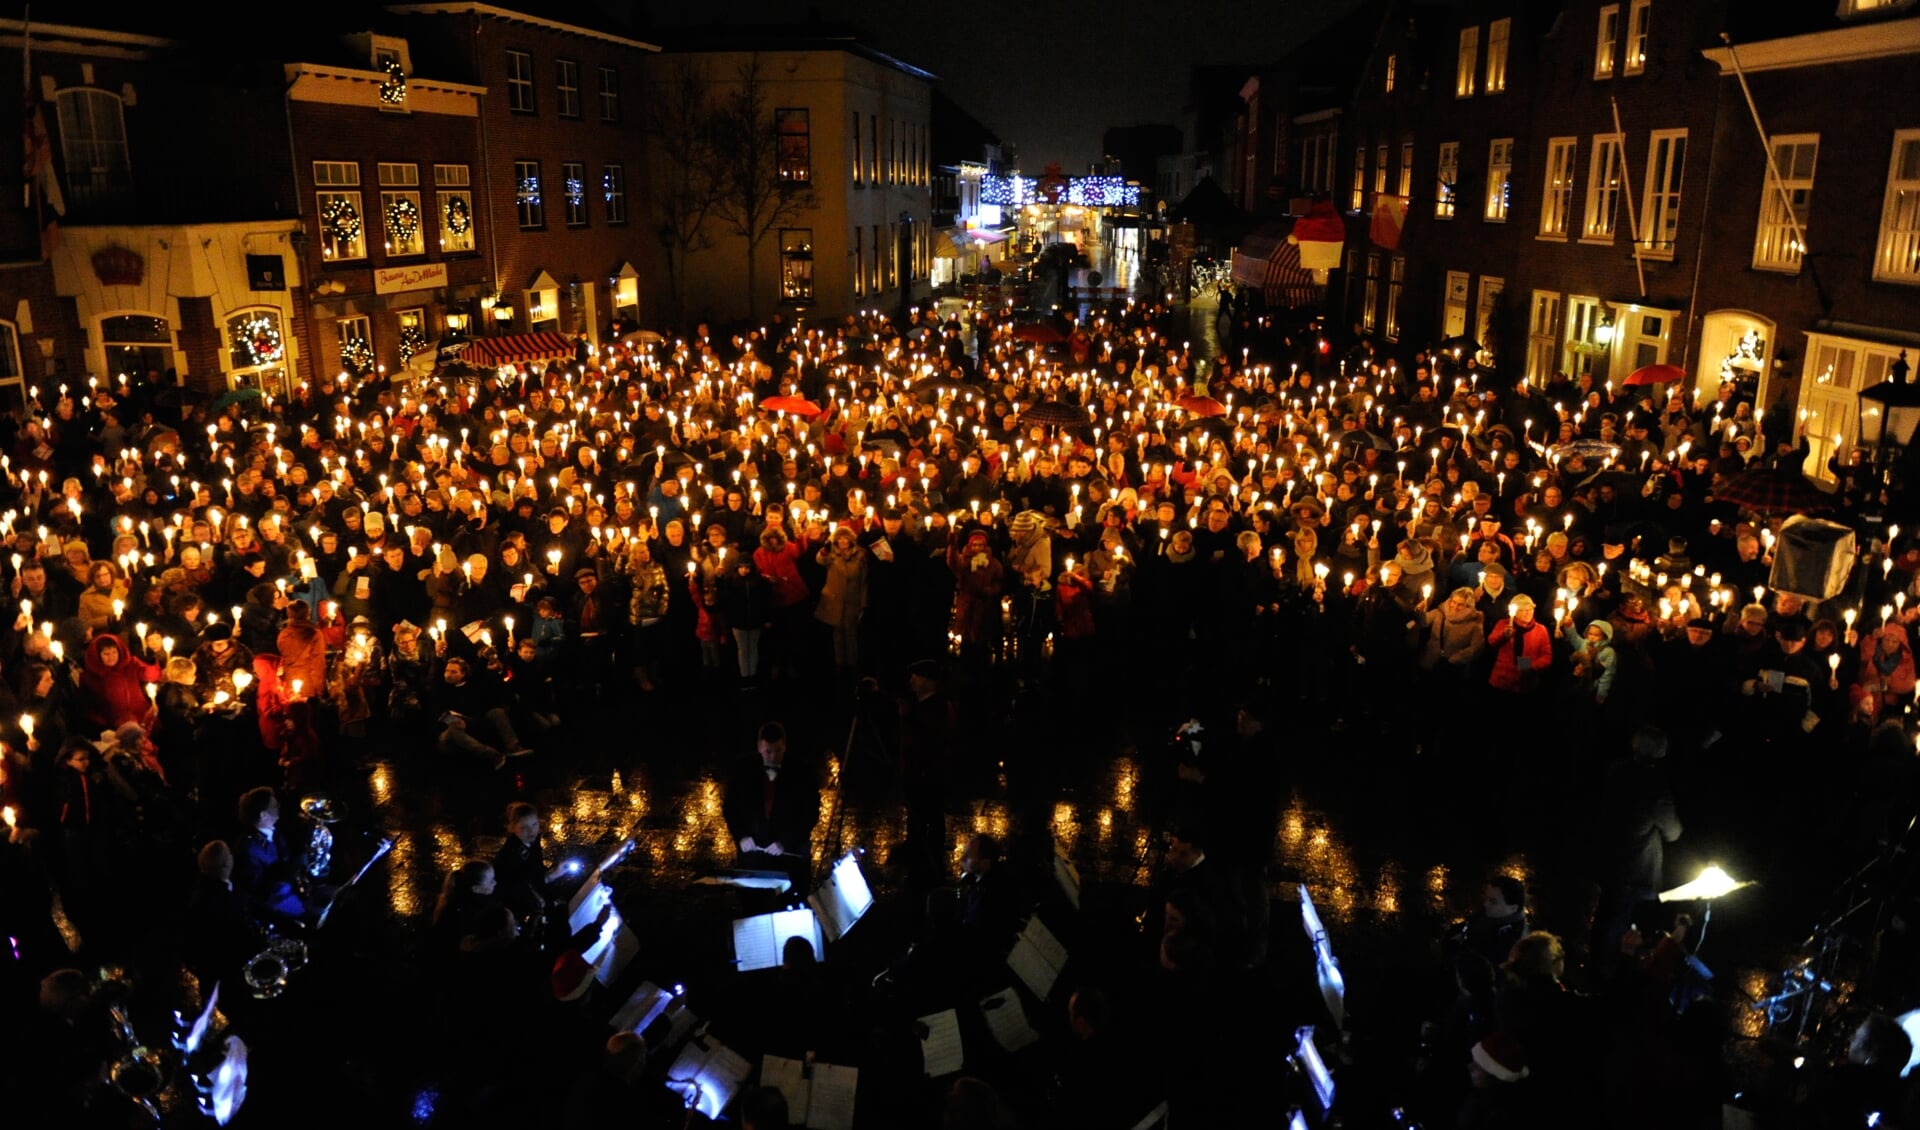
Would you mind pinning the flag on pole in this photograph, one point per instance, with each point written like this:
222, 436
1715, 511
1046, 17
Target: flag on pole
1389, 217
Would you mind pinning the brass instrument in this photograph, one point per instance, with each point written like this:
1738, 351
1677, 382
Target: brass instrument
320, 812
267, 972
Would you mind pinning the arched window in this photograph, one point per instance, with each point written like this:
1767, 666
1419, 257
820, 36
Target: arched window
257, 350
93, 139
136, 345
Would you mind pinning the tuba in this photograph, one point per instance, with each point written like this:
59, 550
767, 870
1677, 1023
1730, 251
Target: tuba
320, 812
267, 972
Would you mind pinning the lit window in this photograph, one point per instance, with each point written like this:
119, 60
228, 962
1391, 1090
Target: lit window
355, 336
613, 186
1396, 282
1469, 62
1393, 64
1359, 197
1606, 41
1370, 298
1898, 257
796, 265
1406, 169
1603, 189
342, 220
795, 164
1497, 33
1380, 170
858, 168
257, 350
1556, 204
527, 200
1543, 337
1660, 216
1448, 182
1783, 203
456, 207
400, 215
573, 184
1638, 18
1499, 179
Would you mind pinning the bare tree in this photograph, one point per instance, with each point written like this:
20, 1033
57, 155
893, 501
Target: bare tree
752, 198
687, 175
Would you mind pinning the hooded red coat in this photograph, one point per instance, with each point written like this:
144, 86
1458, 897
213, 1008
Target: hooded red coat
110, 697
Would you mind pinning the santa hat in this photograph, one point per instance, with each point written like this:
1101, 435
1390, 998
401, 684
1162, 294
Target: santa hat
1502, 1057
572, 977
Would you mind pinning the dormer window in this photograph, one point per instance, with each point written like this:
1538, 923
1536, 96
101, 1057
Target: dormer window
387, 50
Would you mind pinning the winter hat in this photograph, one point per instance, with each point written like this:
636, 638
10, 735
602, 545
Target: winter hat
572, 977
977, 536
1414, 558
1026, 522
1606, 629
1502, 1057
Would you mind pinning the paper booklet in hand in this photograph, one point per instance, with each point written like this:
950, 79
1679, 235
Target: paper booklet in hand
757, 941
819, 1097
707, 1075
940, 1049
1038, 957
842, 899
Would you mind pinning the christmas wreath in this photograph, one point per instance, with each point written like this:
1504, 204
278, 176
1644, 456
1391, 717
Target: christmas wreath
413, 341
262, 339
356, 356
341, 220
403, 220
459, 216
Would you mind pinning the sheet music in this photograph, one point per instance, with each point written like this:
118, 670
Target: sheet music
626, 945
1158, 1117
642, 1008
940, 1048
801, 923
586, 903
707, 1077
757, 941
1068, 876
1032, 968
830, 1107
1049, 946
1007, 1020
790, 1077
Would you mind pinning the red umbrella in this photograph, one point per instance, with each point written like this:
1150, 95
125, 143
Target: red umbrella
791, 405
1201, 405
1656, 375
1039, 333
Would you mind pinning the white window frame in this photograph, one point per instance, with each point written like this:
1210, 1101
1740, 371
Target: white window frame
97, 161
1639, 20
1498, 32
1467, 69
1357, 202
1556, 191
1896, 256
609, 94
520, 84
1370, 295
357, 327
401, 181
1582, 325
1454, 302
1606, 43
1499, 180
1660, 199
529, 204
1488, 297
1642, 335
1446, 200
1396, 284
1785, 203
454, 182
1604, 187
573, 194
339, 180
566, 87
12, 371
613, 193
1543, 337
1406, 170
276, 371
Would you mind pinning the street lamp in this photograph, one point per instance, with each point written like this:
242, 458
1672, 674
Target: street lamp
1890, 412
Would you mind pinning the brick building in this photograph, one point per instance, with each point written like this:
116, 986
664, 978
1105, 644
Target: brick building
558, 187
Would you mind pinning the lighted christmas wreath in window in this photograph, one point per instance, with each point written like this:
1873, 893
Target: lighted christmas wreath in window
341, 220
261, 339
459, 216
356, 356
403, 220
413, 341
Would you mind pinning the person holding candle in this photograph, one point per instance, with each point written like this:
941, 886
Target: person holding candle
113, 685
104, 599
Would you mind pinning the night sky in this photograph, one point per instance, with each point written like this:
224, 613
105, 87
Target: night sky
1051, 77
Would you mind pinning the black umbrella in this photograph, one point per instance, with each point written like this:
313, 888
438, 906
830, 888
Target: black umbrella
1054, 414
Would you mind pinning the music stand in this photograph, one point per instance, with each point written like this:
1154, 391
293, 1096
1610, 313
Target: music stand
1712, 883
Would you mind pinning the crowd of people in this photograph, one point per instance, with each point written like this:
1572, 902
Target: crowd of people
1543, 583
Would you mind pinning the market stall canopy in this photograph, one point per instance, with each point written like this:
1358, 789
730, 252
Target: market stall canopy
512, 349
1268, 260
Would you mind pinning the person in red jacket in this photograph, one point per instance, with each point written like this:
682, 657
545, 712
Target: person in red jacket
113, 685
778, 560
1522, 649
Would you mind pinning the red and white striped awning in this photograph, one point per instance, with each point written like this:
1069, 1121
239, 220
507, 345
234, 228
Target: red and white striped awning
512, 349
1267, 260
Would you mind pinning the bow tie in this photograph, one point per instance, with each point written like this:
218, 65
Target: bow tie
772, 772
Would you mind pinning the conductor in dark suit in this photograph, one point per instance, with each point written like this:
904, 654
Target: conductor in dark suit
771, 805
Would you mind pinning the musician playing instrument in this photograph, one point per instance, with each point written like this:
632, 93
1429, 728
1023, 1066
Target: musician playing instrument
266, 867
521, 871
